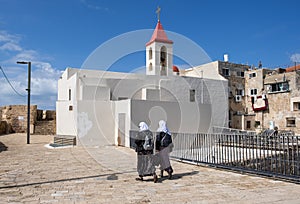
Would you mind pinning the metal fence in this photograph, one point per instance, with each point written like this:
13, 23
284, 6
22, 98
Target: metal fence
270, 155
276, 155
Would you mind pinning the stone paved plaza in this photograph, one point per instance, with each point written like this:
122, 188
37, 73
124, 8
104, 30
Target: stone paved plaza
106, 174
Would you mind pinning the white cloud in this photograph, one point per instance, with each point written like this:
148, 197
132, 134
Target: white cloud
295, 57
10, 47
25, 55
43, 85
6, 90
43, 76
6, 37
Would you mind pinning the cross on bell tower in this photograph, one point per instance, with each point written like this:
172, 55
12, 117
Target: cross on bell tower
158, 13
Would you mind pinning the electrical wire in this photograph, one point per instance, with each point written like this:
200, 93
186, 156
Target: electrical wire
10, 83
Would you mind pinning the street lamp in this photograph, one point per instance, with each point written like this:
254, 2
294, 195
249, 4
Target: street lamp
28, 99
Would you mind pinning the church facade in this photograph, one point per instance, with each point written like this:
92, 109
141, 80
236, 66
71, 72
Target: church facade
102, 107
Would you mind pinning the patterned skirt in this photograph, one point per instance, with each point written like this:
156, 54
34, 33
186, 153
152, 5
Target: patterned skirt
145, 164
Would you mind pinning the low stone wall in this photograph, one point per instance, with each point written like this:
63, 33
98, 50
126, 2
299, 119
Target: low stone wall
14, 119
16, 116
45, 127
45, 123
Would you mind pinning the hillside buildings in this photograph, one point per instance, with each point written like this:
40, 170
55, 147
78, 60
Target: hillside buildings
103, 107
258, 98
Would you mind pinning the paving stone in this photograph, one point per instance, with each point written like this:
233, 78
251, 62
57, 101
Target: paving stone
35, 174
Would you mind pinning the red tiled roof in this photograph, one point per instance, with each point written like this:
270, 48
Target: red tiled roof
292, 68
159, 35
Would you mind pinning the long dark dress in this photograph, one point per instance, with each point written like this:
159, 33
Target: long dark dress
145, 163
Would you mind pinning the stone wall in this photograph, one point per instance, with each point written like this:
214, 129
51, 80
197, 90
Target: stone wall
46, 122
16, 116
3, 127
45, 127
14, 119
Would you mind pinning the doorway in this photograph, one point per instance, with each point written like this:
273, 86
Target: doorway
121, 129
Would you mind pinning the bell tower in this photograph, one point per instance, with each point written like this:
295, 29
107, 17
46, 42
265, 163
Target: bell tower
159, 52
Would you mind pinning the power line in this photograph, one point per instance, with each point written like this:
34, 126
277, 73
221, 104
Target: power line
10, 83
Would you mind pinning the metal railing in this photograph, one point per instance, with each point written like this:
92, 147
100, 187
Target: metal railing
269, 155
275, 155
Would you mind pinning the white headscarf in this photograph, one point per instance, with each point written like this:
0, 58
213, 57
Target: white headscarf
143, 126
163, 127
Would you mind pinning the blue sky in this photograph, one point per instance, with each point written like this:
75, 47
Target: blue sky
58, 34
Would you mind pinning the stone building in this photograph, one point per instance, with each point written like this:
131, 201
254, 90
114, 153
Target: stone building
273, 99
254, 87
235, 74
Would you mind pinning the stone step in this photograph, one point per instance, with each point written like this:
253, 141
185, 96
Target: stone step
63, 140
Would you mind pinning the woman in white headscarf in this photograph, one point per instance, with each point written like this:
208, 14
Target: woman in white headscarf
163, 142
144, 148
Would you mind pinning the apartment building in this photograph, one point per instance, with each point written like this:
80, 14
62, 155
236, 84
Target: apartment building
273, 99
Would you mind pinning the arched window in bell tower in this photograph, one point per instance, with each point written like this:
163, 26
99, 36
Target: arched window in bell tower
150, 67
150, 53
163, 61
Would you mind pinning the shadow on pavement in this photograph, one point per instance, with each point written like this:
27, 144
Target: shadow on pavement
106, 177
177, 176
3, 147
174, 176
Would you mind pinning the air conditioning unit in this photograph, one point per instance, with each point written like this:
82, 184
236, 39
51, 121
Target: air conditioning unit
238, 98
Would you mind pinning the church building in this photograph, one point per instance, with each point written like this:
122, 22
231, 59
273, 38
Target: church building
103, 107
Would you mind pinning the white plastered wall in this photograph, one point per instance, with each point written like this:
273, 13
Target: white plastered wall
95, 123
66, 110
180, 117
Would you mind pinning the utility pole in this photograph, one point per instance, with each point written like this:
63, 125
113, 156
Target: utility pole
28, 98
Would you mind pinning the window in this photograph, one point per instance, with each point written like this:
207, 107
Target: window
192, 95
251, 75
150, 67
240, 73
248, 124
296, 106
150, 53
70, 96
163, 61
253, 92
257, 124
240, 92
163, 56
278, 87
229, 92
225, 72
291, 122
